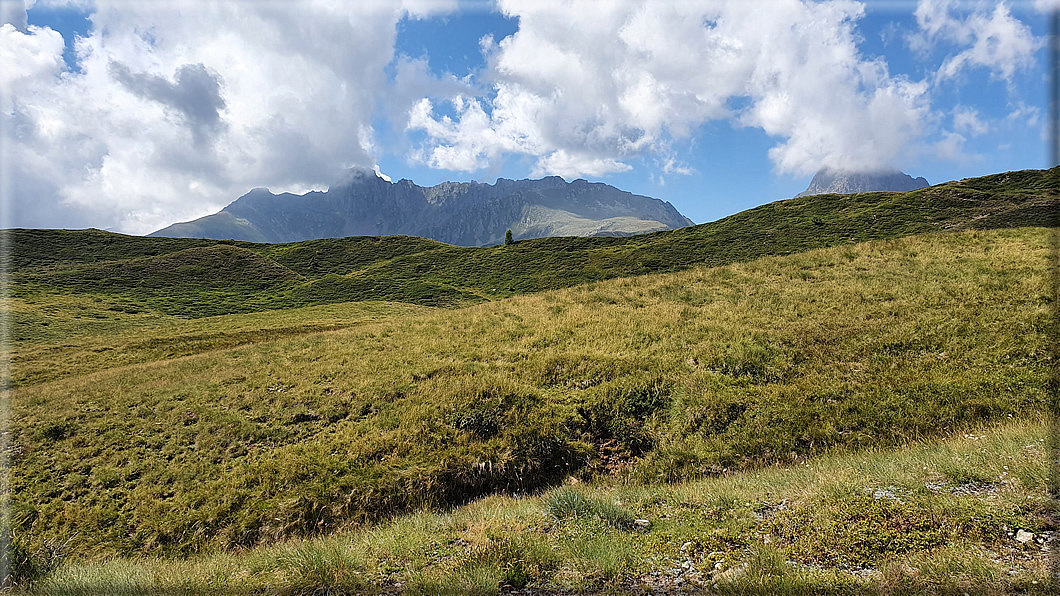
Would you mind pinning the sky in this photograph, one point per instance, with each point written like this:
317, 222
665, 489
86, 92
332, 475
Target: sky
129, 115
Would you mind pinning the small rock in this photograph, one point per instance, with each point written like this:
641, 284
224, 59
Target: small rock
886, 493
1023, 536
641, 523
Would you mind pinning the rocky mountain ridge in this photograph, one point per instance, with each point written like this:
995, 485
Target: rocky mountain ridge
460, 213
842, 182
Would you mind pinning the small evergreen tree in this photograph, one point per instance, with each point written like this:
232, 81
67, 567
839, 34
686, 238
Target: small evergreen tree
508, 238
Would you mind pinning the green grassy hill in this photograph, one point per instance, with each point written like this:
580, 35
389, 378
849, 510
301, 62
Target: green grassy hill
303, 427
196, 278
193, 398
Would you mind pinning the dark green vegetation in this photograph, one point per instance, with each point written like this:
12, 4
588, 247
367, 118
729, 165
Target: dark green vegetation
137, 431
196, 278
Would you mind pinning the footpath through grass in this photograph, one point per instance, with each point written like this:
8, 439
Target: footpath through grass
963, 514
652, 379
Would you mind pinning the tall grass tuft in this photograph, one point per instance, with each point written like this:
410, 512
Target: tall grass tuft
568, 503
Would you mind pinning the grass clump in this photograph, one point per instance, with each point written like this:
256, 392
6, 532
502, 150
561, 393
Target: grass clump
567, 503
319, 567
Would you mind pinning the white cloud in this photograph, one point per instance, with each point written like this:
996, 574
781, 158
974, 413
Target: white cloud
180, 107
994, 40
561, 163
413, 80
672, 166
424, 9
30, 59
951, 147
585, 87
1030, 116
966, 120
379, 173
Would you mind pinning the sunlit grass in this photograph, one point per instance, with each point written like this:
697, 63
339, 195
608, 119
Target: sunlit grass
716, 533
659, 378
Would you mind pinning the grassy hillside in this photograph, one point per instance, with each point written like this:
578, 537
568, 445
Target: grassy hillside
935, 517
68, 336
197, 278
282, 425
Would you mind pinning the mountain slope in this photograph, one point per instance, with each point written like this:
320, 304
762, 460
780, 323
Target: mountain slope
419, 271
162, 450
841, 182
466, 214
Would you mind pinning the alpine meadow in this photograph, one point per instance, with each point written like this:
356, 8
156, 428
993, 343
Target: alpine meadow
828, 394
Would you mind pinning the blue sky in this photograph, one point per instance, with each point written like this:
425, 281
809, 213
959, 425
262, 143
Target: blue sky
131, 116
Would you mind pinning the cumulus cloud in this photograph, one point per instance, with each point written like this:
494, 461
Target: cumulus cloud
586, 87
176, 108
991, 39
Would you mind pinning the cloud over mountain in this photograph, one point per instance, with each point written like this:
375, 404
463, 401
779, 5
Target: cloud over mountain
168, 109
583, 87
175, 106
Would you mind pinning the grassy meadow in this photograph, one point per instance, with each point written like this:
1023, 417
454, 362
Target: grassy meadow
839, 394
272, 449
931, 517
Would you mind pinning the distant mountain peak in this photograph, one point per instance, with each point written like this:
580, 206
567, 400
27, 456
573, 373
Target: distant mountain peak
843, 182
365, 203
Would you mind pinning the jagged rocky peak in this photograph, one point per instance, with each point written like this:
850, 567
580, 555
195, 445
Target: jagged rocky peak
365, 202
844, 182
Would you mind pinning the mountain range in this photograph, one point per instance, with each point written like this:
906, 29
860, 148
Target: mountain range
471, 213
463, 214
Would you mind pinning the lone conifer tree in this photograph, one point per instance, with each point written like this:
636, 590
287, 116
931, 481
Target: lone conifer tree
508, 238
